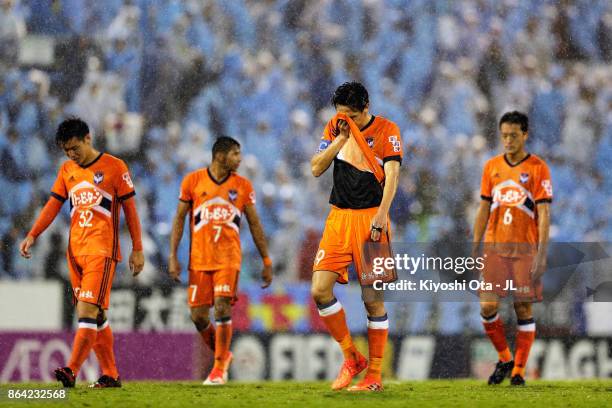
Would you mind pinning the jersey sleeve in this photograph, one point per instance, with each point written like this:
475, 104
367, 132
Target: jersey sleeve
249, 194
59, 189
329, 133
124, 186
185, 195
486, 192
392, 147
543, 192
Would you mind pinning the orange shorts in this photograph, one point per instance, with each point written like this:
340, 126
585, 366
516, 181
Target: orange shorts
344, 241
91, 277
205, 286
502, 271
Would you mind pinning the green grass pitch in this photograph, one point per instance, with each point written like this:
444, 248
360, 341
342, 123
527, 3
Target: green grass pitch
434, 393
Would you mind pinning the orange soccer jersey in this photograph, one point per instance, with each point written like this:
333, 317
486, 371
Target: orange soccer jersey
514, 192
216, 211
95, 193
355, 186
355, 198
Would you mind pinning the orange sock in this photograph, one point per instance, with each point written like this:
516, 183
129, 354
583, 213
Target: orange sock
525, 336
494, 327
378, 330
103, 347
223, 339
208, 336
334, 318
84, 340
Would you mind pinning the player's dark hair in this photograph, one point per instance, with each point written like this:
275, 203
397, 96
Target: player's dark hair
69, 128
516, 118
223, 145
351, 94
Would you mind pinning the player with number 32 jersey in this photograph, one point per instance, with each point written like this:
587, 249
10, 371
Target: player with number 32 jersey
97, 186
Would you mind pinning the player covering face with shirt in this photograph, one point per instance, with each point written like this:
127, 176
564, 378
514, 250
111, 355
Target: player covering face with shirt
366, 151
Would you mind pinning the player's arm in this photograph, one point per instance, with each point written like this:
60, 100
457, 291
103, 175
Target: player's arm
484, 210
260, 242
132, 220
124, 188
539, 266
392, 170
328, 150
45, 218
480, 223
178, 225
543, 196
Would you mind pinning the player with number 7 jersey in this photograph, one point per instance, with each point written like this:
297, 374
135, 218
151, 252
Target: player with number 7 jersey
216, 198
216, 214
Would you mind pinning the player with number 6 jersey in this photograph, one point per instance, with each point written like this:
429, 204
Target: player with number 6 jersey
514, 218
216, 198
514, 191
96, 186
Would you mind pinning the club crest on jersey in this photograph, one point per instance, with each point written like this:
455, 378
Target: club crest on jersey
524, 177
233, 195
98, 177
370, 141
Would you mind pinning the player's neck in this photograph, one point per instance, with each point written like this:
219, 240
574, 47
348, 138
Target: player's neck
516, 157
218, 171
91, 156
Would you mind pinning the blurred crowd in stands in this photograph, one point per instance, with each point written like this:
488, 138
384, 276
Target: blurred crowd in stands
159, 80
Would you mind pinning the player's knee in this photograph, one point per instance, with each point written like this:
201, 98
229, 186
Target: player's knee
87, 310
223, 307
523, 310
488, 309
375, 309
101, 317
200, 319
321, 295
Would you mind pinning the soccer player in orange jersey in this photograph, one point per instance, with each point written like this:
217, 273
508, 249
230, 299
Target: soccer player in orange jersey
514, 218
96, 185
216, 197
359, 213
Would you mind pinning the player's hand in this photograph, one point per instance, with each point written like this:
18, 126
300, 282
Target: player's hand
342, 129
378, 226
24, 247
136, 262
174, 268
266, 276
538, 267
